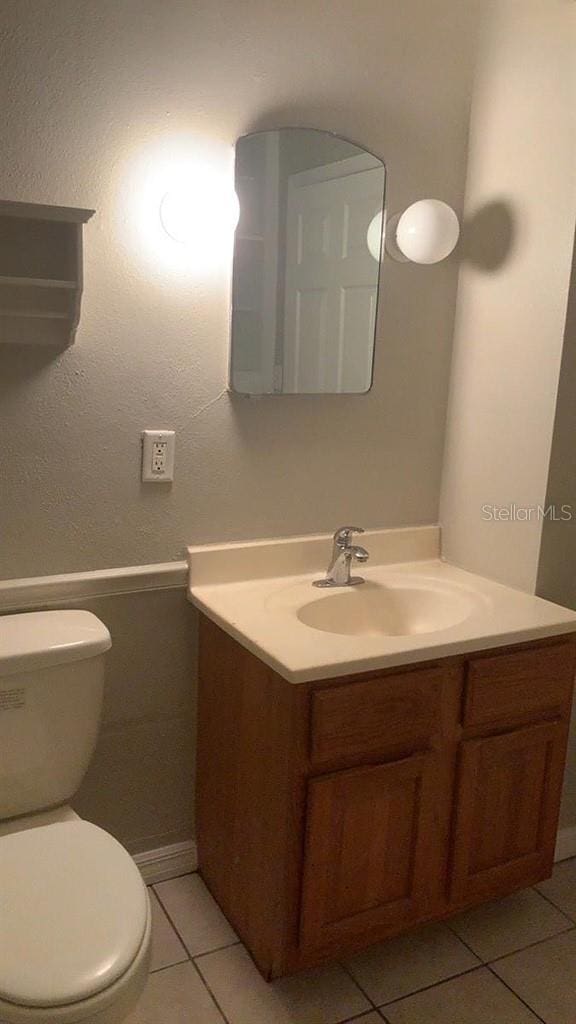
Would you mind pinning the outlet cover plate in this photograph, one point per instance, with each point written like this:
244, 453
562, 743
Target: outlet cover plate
158, 456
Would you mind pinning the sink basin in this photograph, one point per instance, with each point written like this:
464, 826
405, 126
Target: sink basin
412, 608
400, 607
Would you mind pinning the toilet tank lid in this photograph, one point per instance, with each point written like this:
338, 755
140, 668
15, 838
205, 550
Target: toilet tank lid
35, 640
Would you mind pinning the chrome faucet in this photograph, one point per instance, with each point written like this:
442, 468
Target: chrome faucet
343, 552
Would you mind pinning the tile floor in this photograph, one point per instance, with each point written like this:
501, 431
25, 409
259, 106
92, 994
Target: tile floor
510, 962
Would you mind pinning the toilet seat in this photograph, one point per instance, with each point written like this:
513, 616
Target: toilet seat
74, 916
111, 1006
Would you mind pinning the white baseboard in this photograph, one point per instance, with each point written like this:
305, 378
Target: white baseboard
167, 861
566, 843
180, 858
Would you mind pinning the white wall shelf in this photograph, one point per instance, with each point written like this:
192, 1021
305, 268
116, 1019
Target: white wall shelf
40, 273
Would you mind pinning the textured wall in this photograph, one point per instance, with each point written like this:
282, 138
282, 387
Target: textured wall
520, 209
101, 99
557, 564
140, 784
512, 297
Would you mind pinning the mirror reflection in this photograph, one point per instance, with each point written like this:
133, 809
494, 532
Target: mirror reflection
305, 279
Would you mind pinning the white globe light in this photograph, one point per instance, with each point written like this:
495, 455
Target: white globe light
427, 231
374, 236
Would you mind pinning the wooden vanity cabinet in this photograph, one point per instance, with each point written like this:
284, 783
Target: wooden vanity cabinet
338, 813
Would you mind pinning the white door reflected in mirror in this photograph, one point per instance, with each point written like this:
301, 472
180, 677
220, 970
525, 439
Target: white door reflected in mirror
305, 286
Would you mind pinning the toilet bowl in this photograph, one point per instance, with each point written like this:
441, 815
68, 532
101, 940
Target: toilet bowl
75, 923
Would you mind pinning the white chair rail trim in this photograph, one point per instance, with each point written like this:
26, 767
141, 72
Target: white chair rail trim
41, 591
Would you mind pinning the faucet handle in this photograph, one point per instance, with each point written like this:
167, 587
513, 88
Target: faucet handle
343, 535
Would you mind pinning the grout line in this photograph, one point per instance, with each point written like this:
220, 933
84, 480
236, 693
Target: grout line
436, 984
210, 992
175, 930
531, 945
171, 922
463, 941
189, 955
356, 1018
571, 925
184, 874
190, 959
514, 993
347, 970
555, 905
168, 967
217, 949
359, 1016
493, 973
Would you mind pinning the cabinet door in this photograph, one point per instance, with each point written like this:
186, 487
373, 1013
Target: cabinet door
507, 810
370, 862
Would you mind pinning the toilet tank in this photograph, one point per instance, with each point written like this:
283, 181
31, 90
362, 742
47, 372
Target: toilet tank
51, 688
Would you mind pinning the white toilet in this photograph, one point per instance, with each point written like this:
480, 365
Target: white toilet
74, 911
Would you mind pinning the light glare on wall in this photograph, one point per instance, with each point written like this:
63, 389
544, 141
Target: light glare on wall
197, 213
179, 194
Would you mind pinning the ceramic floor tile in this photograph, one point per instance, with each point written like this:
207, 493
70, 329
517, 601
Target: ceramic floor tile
166, 946
400, 966
504, 926
475, 998
544, 976
561, 888
176, 996
324, 996
197, 917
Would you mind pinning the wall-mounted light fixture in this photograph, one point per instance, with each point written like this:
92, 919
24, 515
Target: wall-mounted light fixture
178, 202
427, 232
190, 215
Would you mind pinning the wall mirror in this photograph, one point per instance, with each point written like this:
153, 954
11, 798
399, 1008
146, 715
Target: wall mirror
305, 281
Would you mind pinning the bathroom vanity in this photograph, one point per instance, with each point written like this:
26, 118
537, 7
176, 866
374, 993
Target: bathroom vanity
337, 810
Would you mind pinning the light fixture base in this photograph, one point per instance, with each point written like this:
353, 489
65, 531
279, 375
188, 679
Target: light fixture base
392, 248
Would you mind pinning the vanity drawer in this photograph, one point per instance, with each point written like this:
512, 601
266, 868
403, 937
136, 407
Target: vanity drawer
396, 713
522, 686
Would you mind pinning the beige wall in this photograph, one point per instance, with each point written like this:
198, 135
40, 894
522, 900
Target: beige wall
513, 286
102, 98
520, 208
100, 101
141, 781
557, 563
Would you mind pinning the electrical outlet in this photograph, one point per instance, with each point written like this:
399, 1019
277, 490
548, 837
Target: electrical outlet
158, 456
159, 452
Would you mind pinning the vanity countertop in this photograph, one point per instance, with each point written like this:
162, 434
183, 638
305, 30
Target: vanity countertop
261, 593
